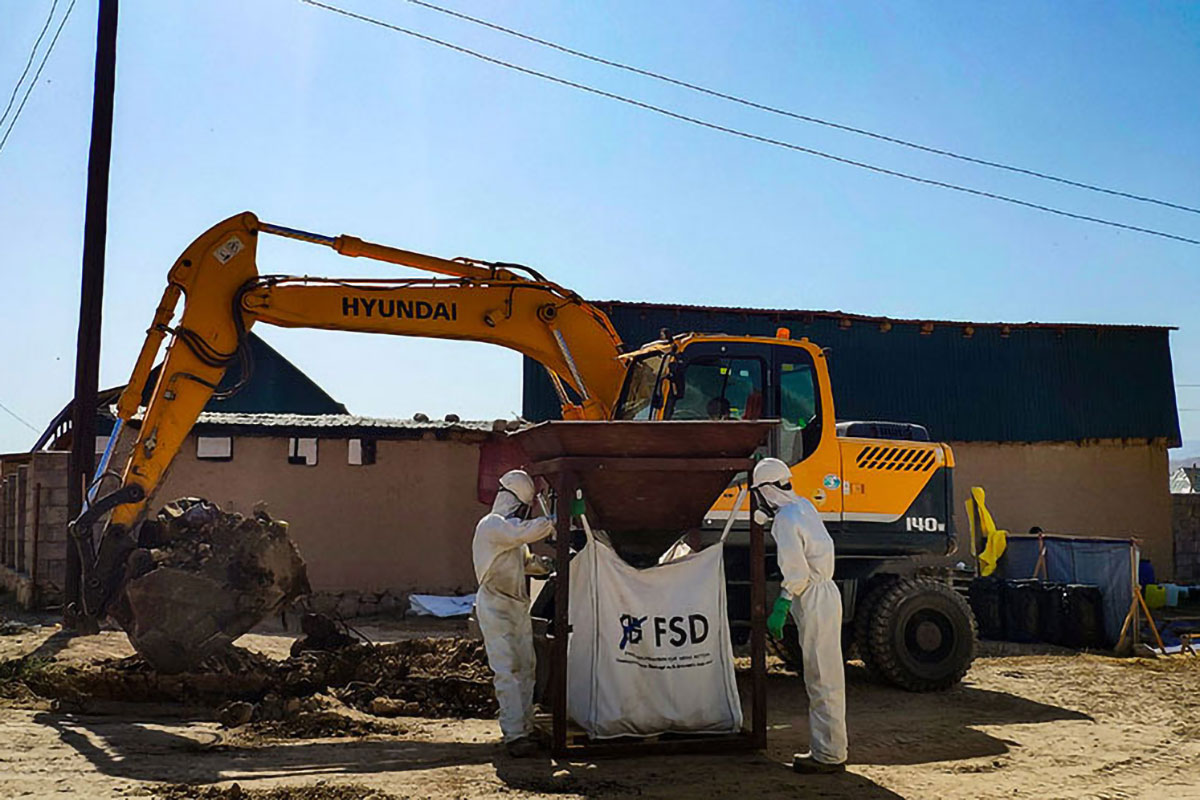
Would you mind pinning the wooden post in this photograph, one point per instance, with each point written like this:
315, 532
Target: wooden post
758, 627
567, 484
1150, 620
1137, 592
1039, 569
91, 296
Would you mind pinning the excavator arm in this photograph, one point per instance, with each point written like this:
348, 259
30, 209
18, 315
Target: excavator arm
226, 295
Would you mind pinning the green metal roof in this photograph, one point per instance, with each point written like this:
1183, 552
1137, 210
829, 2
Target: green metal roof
965, 381
276, 386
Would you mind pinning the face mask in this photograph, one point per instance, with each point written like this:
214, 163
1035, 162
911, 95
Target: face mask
762, 517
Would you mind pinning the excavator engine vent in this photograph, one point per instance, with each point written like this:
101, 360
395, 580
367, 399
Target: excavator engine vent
896, 459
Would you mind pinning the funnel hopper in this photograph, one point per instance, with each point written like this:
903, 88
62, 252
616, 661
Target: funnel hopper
646, 476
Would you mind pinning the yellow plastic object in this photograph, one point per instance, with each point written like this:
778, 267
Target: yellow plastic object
1156, 595
997, 539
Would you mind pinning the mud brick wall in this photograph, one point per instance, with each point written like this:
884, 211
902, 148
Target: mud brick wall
1185, 518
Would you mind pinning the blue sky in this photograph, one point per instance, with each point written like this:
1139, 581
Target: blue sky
316, 121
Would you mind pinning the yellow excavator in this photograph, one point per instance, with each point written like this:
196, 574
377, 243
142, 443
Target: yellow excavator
883, 499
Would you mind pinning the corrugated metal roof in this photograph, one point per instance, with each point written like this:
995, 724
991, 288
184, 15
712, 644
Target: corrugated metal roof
338, 421
344, 424
276, 385
1031, 382
608, 305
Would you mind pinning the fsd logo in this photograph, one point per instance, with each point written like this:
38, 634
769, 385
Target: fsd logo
675, 631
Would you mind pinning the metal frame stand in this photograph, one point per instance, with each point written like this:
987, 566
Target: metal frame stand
564, 474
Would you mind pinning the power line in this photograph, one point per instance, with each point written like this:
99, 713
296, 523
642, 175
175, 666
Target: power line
36, 75
18, 418
794, 115
744, 134
32, 53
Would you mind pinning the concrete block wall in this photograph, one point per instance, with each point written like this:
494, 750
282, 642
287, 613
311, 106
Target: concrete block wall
33, 527
1185, 518
49, 471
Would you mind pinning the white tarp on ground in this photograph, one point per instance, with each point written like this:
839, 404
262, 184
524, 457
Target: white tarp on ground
650, 650
436, 605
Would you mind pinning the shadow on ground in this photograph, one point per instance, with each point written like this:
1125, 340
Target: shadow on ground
160, 751
743, 775
887, 727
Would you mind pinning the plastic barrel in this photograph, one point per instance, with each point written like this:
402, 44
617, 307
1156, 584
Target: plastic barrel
1084, 617
1051, 602
985, 598
1020, 603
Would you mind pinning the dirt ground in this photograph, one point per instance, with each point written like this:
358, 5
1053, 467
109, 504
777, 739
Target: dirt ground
1023, 724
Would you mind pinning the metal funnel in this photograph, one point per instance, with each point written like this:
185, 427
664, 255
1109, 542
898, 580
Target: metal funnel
664, 483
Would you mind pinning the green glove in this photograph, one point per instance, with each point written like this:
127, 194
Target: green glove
778, 617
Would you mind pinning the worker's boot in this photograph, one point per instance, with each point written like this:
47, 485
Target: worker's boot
805, 764
521, 748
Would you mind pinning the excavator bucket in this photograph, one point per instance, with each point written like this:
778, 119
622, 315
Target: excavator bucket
203, 578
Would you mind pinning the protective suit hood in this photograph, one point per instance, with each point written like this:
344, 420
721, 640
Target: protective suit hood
506, 504
776, 498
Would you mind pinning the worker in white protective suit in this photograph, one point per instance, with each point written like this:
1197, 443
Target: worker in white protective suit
805, 552
500, 551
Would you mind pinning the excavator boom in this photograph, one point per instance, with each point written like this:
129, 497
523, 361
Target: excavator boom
226, 295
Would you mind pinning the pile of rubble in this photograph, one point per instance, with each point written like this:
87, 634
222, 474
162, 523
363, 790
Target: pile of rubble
435, 677
201, 578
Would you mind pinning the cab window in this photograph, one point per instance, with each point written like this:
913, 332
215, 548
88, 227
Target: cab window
719, 388
800, 429
637, 397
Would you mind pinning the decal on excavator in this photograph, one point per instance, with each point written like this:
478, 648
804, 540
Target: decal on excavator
401, 309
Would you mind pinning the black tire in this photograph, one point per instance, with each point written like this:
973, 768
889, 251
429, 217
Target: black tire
789, 651
788, 648
922, 635
864, 612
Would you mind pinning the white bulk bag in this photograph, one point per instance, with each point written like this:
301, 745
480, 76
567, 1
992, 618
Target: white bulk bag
650, 650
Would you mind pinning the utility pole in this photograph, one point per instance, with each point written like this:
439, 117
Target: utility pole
95, 233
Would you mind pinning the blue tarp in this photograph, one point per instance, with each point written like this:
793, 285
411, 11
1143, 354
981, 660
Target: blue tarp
1104, 563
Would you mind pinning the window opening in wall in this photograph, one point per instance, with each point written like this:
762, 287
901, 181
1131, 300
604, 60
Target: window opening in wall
214, 448
361, 452
302, 451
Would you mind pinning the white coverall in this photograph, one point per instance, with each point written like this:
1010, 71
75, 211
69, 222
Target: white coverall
805, 552
499, 550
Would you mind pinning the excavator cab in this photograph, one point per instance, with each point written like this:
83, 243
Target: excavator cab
882, 500
704, 377
877, 496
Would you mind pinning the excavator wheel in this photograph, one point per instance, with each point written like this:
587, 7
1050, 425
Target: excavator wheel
921, 635
789, 652
864, 613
